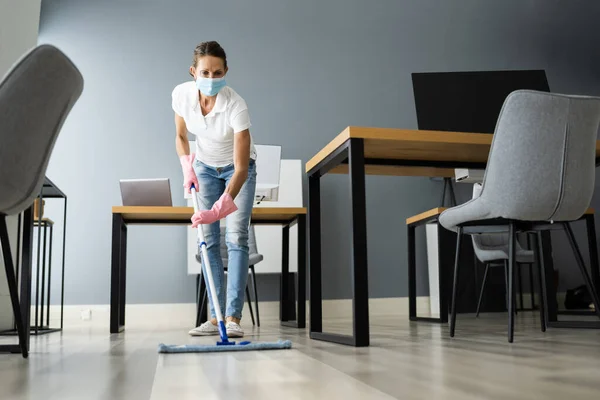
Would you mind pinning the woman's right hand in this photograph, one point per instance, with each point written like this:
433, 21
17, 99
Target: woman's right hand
189, 175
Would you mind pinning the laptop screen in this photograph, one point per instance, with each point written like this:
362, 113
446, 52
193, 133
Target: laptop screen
468, 101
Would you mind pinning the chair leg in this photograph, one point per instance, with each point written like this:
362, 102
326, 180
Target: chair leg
487, 267
506, 284
531, 286
520, 283
250, 304
539, 260
255, 295
201, 299
511, 279
584, 272
506, 287
455, 283
12, 286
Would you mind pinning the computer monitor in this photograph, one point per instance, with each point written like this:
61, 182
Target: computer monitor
146, 192
468, 101
268, 168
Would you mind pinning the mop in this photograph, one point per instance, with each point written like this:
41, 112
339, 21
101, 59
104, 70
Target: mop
224, 344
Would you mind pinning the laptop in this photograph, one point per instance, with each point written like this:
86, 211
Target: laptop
468, 101
146, 192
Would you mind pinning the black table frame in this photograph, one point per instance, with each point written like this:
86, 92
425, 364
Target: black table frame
119, 267
447, 241
352, 152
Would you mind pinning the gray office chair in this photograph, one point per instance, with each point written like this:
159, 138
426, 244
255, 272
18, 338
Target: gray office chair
492, 251
36, 96
540, 176
254, 257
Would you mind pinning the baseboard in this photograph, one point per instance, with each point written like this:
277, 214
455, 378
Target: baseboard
183, 314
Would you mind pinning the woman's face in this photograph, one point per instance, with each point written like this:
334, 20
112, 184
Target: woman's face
209, 67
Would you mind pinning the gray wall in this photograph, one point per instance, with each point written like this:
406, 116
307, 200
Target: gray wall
308, 69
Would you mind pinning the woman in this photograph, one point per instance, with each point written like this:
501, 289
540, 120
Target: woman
222, 169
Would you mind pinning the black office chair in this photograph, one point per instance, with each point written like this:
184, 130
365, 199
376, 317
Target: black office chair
36, 97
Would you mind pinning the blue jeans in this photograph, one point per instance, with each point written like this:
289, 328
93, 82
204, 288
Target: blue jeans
212, 183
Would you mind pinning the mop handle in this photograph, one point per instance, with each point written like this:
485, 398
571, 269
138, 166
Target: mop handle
208, 271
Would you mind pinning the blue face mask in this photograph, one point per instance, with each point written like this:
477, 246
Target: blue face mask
210, 86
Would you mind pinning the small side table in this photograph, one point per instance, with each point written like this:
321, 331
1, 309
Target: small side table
39, 326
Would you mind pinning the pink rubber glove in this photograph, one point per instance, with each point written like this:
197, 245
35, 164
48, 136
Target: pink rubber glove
189, 175
222, 208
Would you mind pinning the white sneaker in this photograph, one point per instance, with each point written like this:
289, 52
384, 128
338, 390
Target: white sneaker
234, 330
206, 329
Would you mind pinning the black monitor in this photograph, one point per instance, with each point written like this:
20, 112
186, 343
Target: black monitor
468, 101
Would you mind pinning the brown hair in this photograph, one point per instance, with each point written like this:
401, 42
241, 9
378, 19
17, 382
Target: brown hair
209, 49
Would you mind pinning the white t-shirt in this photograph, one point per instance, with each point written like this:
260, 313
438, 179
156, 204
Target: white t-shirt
215, 131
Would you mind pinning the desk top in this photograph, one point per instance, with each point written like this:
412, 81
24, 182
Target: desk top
412, 145
183, 214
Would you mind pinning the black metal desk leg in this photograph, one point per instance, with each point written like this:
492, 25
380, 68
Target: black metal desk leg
301, 314
412, 273
42, 298
123, 272
118, 271
287, 302
37, 269
314, 254
49, 275
285, 275
62, 286
360, 305
593, 250
360, 285
446, 256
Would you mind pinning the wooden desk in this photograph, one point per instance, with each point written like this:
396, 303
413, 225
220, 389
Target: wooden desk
123, 216
358, 151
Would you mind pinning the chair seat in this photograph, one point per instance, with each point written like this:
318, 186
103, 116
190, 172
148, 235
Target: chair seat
254, 259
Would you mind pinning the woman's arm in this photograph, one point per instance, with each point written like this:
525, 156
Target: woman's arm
241, 162
185, 158
181, 138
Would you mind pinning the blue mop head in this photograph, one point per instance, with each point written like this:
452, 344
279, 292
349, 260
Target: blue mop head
203, 348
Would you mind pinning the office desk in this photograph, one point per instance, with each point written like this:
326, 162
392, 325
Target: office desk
360, 151
123, 216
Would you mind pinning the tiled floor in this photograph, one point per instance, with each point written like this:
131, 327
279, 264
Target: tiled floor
405, 361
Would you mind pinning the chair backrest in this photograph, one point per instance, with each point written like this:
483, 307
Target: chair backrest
36, 96
541, 164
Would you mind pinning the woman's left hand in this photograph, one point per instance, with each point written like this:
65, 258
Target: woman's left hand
222, 208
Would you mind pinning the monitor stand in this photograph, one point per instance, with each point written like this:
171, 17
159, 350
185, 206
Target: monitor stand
448, 186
